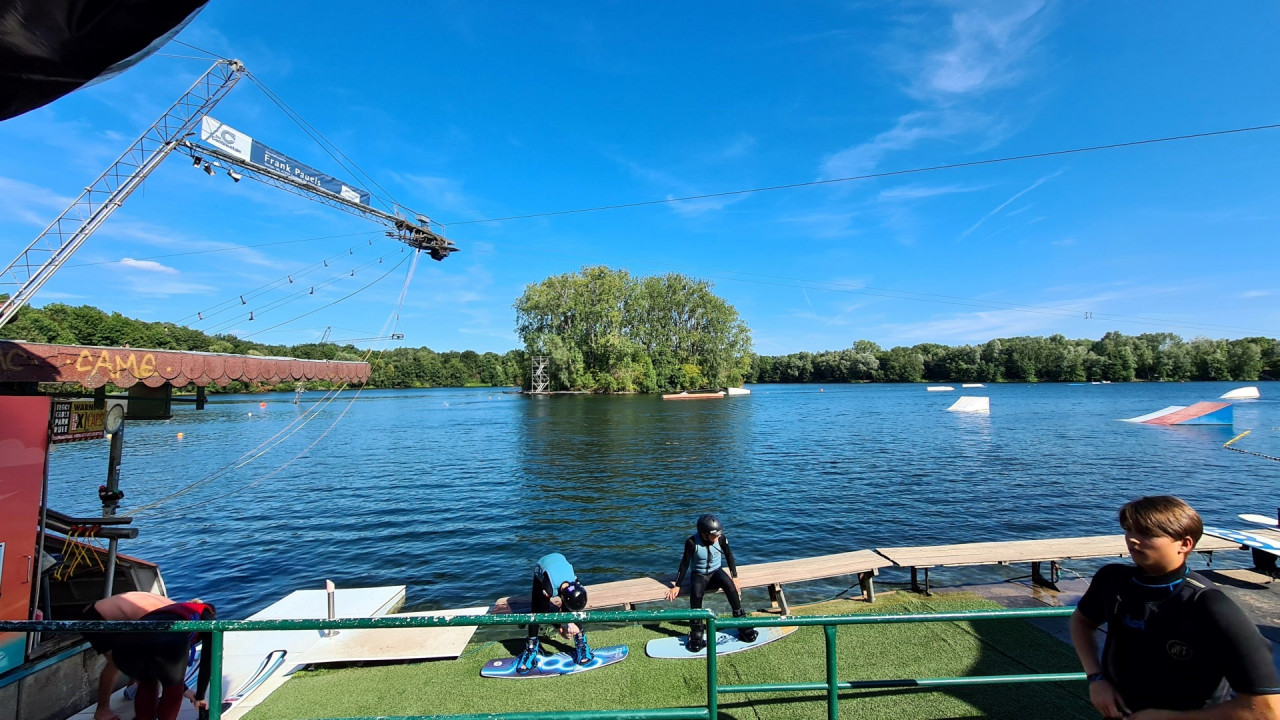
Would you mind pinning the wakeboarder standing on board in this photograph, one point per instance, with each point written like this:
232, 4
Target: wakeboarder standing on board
553, 577
705, 552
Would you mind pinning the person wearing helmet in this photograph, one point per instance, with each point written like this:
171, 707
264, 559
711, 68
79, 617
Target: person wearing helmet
705, 553
553, 577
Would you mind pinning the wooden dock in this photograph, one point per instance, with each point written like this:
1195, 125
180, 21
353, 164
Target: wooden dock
866, 564
1035, 552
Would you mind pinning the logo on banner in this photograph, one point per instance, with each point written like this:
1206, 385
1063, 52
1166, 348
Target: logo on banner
225, 137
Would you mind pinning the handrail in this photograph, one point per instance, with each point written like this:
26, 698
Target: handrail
829, 623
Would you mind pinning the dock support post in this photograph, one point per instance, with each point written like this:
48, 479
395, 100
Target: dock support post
778, 598
866, 580
915, 583
1040, 580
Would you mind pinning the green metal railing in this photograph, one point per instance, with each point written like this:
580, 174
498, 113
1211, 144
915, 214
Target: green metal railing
829, 623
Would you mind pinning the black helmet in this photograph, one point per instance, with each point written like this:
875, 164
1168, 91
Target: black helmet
574, 596
708, 524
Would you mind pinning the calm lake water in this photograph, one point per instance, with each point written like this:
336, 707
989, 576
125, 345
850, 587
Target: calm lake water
456, 492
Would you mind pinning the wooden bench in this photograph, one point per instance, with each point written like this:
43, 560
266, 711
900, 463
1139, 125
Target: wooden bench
1035, 552
774, 575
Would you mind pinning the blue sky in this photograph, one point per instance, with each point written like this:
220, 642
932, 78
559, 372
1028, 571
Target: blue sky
472, 111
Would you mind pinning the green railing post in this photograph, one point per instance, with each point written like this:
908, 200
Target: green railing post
215, 677
713, 686
833, 682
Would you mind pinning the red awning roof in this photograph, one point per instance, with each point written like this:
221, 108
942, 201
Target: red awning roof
94, 367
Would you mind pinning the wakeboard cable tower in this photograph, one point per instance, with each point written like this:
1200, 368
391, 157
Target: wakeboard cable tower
176, 130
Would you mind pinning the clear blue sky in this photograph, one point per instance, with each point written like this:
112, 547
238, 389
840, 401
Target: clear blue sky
479, 110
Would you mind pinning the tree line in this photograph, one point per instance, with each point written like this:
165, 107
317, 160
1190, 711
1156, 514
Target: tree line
61, 324
608, 331
1116, 358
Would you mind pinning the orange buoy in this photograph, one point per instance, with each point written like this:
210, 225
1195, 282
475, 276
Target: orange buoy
262, 404
179, 436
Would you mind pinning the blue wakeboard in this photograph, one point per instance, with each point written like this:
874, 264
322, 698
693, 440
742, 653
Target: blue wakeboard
1266, 544
727, 642
554, 665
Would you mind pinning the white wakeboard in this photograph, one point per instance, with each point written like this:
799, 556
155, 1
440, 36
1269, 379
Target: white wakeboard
727, 642
1259, 519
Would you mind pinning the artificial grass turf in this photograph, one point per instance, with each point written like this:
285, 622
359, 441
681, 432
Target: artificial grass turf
898, 650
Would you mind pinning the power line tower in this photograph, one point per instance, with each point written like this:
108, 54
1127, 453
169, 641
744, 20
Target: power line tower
540, 384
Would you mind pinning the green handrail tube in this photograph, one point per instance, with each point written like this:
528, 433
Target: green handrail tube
829, 623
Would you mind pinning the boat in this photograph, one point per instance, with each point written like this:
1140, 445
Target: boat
695, 395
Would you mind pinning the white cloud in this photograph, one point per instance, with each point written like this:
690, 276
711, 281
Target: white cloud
917, 192
1006, 203
909, 131
988, 46
30, 203
987, 49
147, 266
1256, 293
169, 288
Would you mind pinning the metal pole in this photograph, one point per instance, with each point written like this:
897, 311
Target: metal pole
34, 638
110, 503
713, 691
215, 678
833, 683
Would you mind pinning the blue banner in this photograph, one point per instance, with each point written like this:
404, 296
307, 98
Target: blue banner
260, 154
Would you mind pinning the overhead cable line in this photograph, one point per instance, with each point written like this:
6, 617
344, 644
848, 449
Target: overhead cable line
335, 302
872, 176
392, 323
303, 291
288, 279
214, 55
319, 138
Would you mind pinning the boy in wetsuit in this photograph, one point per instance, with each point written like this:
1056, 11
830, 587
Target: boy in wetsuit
704, 552
1174, 640
553, 577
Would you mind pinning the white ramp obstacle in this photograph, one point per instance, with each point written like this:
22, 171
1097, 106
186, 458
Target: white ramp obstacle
970, 404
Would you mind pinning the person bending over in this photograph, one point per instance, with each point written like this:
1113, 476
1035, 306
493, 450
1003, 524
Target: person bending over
158, 661
705, 553
1176, 645
125, 606
553, 577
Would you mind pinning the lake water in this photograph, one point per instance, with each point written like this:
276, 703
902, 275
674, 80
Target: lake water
456, 492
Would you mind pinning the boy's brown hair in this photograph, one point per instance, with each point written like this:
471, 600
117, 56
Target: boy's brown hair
1163, 516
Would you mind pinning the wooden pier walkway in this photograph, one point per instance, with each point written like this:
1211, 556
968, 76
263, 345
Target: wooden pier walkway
866, 564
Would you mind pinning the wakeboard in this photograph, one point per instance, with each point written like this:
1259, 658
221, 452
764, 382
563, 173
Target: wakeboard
727, 642
1259, 519
1266, 544
554, 665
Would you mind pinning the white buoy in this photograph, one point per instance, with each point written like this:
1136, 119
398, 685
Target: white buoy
968, 403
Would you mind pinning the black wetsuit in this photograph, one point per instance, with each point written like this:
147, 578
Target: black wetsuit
708, 572
1175, 642
163, 656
